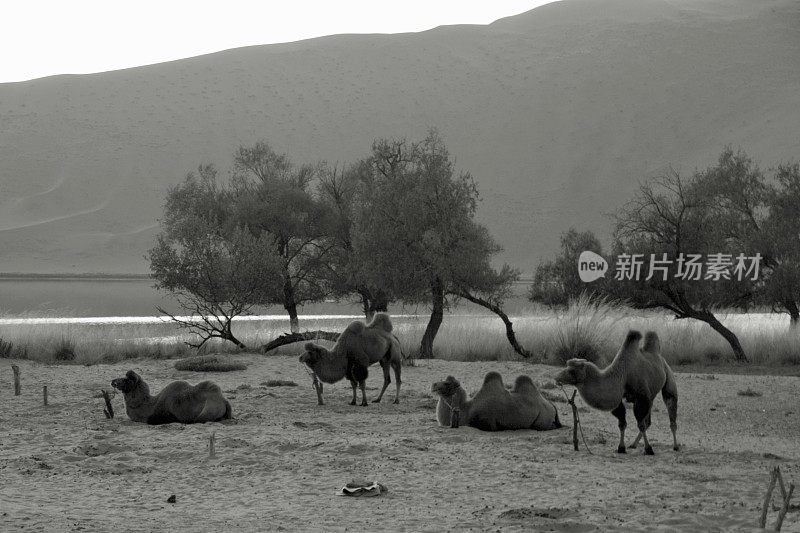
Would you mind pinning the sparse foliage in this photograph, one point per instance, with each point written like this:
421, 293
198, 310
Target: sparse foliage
272, 198
556, 282
670, 218
214, 270
415, 230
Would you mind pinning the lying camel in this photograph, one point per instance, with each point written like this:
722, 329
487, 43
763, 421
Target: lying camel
357, 347
177, 402
635, 375
493, 408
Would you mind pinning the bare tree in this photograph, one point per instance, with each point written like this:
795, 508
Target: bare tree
669, 219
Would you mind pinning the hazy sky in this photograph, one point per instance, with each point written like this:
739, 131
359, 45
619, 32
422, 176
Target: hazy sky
42, 38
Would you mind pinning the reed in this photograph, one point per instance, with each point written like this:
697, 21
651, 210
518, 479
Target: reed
590, 329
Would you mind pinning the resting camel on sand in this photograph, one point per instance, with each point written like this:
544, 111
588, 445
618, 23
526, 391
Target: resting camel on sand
177, 402
635, 375
493, 408
357, 347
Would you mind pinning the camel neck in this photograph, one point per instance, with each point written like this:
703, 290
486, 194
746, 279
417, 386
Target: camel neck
331, 368
138, 399
617, 366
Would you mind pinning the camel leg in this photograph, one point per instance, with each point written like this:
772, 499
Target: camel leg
671, 401
619, 413
635, 443
641, 410
397, 365
359, 374
318, 388
353, 384
386, 380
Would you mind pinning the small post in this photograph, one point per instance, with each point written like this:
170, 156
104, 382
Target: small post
15, 368
768, 497
784, 508
574, 420
211, 450
109, 410
455, 414
44, 394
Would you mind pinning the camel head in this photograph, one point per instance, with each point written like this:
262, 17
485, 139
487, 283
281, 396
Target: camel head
129, 383
574, 374
448, 387
312, 355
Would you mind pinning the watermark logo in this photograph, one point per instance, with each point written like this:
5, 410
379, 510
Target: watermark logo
591, 266
688, 267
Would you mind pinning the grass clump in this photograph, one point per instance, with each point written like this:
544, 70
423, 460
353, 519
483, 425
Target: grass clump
279, 383
749, 392
585, 330
65, 350
9, 351
209, 363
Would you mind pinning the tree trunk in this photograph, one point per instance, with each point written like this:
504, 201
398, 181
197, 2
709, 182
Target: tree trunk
289, 338
512, 338
794, 313
228, 336
380, 303
236, 341
373, 302
728, 335
437, 315
367, 305
290, 305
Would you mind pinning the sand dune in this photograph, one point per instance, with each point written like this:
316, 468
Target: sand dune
280, 463
558, 113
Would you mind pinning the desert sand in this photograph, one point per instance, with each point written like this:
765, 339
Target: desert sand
281, 462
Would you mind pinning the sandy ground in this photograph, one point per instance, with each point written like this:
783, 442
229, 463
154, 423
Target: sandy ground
280, 463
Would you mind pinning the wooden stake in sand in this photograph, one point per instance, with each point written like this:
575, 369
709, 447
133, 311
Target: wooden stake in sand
574, 420
15, 368
44, 394
211, 448
786, 496
109, 410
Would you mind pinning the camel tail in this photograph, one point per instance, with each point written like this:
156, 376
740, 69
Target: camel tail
670, 388
381, 320
557, 422
228, 411
651, 343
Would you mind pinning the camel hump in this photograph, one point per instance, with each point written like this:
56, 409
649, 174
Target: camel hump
354, 328
208, 386
651, 343
632, 338
523, 384
493, 379
382, 321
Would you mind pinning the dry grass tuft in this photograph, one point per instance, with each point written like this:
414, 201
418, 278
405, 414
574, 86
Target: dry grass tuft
749, 392
279, 383
209, 363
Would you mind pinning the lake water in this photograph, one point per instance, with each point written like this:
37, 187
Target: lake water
138, 298
112, 298
81, 298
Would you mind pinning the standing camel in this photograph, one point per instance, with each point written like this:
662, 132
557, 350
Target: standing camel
357, 347
635, 375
